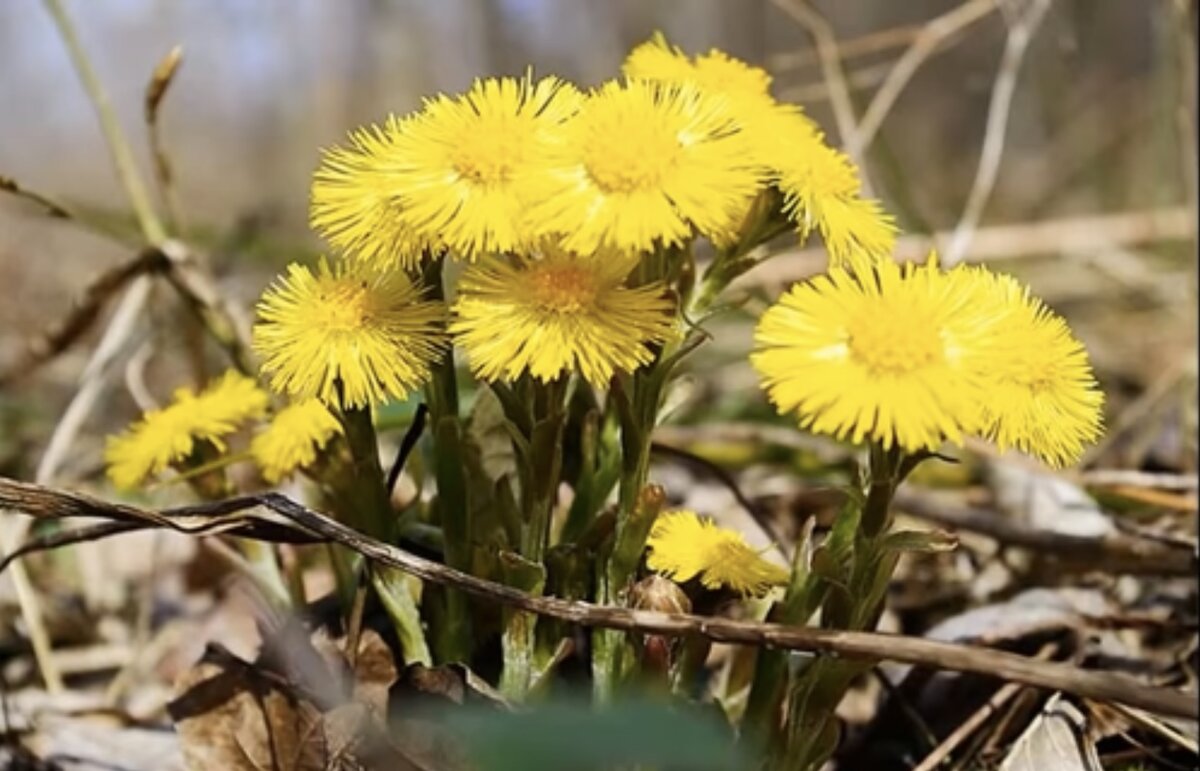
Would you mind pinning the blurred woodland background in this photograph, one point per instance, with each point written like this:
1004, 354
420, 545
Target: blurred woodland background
1093, 205
1098, 139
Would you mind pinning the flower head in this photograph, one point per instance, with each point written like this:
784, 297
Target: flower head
892, 355
645, 163
296, 434
822, 191
449, 176
558, 313
683, 545
715, 71
1043, 398
351, 335
821, 187
355, 204
169, 435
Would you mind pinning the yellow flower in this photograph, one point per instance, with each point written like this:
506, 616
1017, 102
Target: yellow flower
1042, 398
893, 355
293, 439
354, 204
683, 545
468, 161
645, 163
450, 176
821, 187
557, 314
351, 336
716, 71
822, 191
169, 435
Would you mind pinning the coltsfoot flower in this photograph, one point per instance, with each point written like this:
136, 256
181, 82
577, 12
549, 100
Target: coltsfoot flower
821, 187
169, 435
558, 313
892, 355
452, 175
1042, 396
684, 545
293, 439
352, 335
355, 205
645, 163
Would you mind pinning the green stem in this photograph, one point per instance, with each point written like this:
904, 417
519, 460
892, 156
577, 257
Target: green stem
393, 588
453, 641
365, 501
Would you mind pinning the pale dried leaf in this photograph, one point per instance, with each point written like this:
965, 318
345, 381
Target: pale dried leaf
1058, 739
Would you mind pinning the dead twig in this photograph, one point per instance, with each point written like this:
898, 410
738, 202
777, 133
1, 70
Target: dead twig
831, 71
977, 718
1068, 235
931, 37
160, 81
82, 314
285, 514
1117, 552
1020, 33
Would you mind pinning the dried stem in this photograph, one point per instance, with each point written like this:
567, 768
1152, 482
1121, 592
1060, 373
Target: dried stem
122, 155
1020, 33
928, 40
237, 516
831, 70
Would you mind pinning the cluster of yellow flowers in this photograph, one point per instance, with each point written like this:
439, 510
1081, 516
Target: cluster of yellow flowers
554, 199
175, 434
912, 356
553, 196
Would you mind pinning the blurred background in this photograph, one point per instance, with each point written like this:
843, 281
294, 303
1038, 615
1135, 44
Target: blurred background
1093, 202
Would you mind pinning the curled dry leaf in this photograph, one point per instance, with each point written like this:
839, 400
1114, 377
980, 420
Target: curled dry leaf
1058, 739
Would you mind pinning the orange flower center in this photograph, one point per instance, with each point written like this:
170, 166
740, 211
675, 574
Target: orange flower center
563, 288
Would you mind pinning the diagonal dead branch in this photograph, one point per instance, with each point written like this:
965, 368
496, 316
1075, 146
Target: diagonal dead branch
40, 501
65, 332
1118, 552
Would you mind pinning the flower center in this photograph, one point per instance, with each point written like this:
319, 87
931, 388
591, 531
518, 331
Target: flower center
488, 155
343, 307
886, 347
563, 288
619, 162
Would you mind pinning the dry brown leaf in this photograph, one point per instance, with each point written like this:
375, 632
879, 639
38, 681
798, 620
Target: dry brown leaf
230, 718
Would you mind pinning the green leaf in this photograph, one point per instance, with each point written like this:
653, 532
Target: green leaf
571, 735
920, 541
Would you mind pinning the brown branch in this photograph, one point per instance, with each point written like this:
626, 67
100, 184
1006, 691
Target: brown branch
1116, 552
61, 335
37, 500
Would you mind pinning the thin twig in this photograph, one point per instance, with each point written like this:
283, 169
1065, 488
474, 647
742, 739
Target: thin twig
1150, 480
875, 42
1020, 33
415, 429
79, 318
1068, 235
160, 81
977, 718
118, 146
1116, 552
831, 71
932, 35
38, 500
